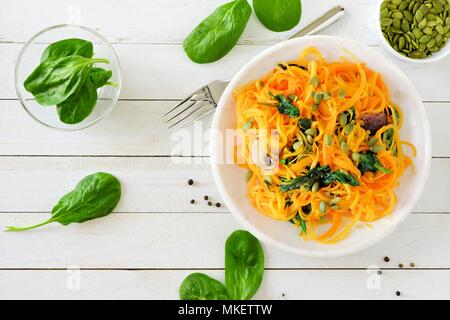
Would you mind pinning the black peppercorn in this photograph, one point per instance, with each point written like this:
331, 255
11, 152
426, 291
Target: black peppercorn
218, 204
192, 201
398, 293
190, 182
206, 197
386, 259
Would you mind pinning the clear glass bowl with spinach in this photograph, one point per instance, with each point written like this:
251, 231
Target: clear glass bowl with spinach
89, 110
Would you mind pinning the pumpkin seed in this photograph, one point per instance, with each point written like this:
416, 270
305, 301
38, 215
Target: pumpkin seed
349, 128
297, 145
376, 148
345, 147
315, 187
311, 132
342, 119
323, 207
328, 140
355, 156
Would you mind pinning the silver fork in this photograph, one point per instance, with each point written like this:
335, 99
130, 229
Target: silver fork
204, 100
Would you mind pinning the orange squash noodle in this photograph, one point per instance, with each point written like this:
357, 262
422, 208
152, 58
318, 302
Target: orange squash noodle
325, 131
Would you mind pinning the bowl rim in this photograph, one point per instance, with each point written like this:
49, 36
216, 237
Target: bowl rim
430, 59
276, 243
114, 99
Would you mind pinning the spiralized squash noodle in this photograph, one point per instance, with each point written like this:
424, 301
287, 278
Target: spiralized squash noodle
348, 88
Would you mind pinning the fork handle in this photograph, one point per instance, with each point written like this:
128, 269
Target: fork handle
325, 20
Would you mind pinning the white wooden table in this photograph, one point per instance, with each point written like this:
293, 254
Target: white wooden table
157, 237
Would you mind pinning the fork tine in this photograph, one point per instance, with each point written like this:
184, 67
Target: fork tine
189, 106
193, 96
200, 105
197, 117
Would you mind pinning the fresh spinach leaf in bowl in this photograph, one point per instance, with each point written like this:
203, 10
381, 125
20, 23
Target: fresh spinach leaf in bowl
66, 77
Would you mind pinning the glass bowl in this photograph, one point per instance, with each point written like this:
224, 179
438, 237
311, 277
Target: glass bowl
29, 59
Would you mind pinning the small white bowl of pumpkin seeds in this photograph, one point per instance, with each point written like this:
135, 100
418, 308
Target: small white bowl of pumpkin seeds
415, 30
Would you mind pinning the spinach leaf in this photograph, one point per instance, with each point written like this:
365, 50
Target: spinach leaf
286, 107
215, 36
95, 196
199, 286
368, 161
278, 15
53, 81
78, 106
244, 265
100, 77
321, 175
304, 123
68, 47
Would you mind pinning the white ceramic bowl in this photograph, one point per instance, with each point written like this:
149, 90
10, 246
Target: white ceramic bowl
441, 54
230, 179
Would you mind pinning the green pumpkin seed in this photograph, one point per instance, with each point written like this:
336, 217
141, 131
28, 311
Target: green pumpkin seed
419, 15
328, 140
397, 15
408, 16
315, 187
417, 33
345, 147
397, 23
335, 200
311, 132
323, 207
297, 145
401, 43
403, 5
423, 23
355, 156
342, 119
349, 128
310, 139
377, 148
247, 125
428, 31
430, 16
431, 43
386, 22
439, 28
424, 39
411, 5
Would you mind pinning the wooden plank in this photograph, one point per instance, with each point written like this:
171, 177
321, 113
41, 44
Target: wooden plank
135, 128
277, 284
164, 72
34, 184
196, 240
151, 23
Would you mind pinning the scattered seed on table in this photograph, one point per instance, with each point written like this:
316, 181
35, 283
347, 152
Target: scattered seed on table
218, 204
192, 201
209, 203
400, 265
386, 259
190, 182
379, 272
398, 293
413, 265
206, 197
